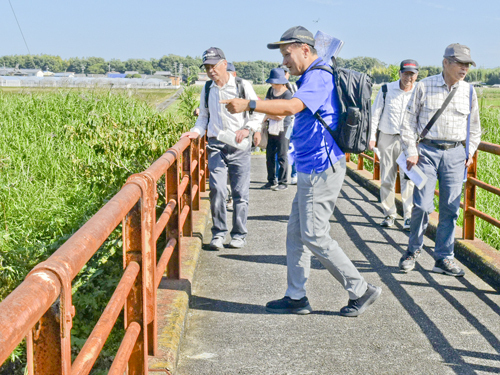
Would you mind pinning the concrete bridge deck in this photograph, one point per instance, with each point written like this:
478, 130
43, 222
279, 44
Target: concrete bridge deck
423, 323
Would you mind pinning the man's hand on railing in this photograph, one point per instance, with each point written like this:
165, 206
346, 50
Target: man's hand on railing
190, 135
411, 161
241, 135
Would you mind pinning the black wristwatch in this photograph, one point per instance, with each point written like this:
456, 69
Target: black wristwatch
252, 105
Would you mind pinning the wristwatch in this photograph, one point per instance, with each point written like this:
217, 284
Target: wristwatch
252, 105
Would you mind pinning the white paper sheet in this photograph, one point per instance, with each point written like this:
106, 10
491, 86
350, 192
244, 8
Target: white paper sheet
327, 46
415, 174
229, 137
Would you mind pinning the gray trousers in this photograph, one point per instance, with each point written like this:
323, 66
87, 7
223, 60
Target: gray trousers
390, 149
224, 161
308, 233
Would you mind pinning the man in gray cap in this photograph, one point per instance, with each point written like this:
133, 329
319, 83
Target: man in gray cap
388, 110
321, 168
440, 154
223, 159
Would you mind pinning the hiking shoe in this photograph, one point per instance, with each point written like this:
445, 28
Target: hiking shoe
269, 185
217, 243
280, 187
229, 204
293, 180
387, 222
287, 305
448, 267
356, 307
407, 261
406, 224
237, 243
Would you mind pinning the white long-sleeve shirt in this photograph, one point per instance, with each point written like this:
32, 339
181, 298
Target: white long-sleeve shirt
427, 99
389, 117
216, 117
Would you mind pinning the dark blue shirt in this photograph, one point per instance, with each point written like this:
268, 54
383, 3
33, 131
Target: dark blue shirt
316, 91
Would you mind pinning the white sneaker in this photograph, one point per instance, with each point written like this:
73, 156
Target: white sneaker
293, 180
237, 243
217, 243
387, 222
406, 224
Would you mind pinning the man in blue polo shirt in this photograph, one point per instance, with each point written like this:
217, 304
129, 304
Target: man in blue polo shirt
321, 168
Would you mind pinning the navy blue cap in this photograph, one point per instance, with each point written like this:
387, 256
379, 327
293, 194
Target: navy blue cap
230, 67
277, 76
212, 56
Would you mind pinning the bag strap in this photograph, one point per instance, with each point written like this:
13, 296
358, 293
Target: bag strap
437, 114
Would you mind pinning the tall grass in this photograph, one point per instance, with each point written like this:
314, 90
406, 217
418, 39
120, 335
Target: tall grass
62, 156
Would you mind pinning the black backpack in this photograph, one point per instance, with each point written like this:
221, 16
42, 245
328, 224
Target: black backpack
354, 91
239, 88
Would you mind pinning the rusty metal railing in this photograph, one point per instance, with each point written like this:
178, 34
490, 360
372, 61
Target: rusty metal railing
30, 312
472, 183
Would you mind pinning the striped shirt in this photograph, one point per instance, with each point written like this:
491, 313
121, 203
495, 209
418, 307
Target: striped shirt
426, 100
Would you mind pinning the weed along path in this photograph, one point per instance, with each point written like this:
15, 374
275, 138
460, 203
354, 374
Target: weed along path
167, 103
423, 323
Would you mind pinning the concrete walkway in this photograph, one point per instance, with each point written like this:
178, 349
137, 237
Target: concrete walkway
424, 323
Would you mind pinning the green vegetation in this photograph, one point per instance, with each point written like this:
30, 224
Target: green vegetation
63, 154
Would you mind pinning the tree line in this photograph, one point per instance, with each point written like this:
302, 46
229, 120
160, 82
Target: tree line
189, 67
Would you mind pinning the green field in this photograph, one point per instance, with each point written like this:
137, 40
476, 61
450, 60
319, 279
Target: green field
63, 154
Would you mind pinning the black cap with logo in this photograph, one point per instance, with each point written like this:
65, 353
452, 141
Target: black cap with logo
296, 34
408, 66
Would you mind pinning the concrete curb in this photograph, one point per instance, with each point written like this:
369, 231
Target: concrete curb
481, 258
173, 296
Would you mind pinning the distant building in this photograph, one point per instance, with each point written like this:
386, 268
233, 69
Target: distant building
64, 74
116, 75
131, 72
202, 78
163, 73
29, 72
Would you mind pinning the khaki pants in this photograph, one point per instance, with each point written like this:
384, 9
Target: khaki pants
389, 146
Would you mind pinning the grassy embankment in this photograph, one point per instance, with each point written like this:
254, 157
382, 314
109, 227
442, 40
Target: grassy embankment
63, 154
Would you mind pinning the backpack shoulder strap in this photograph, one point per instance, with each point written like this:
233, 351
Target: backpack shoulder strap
323, 67
240, 88
208, 84
384, 90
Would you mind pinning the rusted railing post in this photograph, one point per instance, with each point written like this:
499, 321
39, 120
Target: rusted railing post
195, 175
361, 164
469, 226
203, 164
187, 197
173, 229
47, 357
134, 307
376, 167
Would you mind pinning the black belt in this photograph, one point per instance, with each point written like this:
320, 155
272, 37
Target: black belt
441, 145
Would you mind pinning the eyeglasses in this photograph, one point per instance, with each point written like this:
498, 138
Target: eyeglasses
464, 65
211, 67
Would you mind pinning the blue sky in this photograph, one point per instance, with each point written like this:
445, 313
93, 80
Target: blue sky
388, 30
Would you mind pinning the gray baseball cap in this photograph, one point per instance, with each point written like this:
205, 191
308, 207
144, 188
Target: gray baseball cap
296, 34
459, 52
408, 66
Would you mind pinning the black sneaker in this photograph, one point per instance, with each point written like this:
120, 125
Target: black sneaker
269, 185
407, 261
287, 305
448, 267
356, 307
